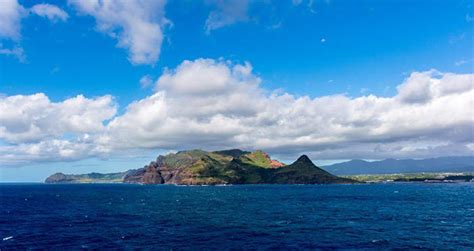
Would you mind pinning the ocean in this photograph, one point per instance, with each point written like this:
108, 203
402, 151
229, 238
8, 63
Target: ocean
372, 216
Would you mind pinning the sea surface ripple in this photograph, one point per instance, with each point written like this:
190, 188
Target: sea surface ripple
379, 216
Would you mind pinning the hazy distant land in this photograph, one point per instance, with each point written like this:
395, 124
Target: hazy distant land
461, 164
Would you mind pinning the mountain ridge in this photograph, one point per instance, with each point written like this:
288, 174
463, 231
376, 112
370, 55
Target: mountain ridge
198, 167
392, 166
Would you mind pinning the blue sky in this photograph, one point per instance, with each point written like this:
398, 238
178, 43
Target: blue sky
369, 44
304, 48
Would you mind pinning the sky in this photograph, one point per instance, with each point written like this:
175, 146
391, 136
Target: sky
106, 86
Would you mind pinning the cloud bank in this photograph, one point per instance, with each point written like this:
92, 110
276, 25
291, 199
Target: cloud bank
35, 129
215, 104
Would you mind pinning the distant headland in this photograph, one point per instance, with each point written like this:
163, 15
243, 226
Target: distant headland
198, 167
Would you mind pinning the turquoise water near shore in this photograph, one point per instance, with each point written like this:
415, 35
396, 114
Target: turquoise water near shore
409, 215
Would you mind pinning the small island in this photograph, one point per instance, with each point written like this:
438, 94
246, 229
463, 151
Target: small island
198, 167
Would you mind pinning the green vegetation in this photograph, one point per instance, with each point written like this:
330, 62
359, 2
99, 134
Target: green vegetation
303, 171
86, 178
257, 158
197, 167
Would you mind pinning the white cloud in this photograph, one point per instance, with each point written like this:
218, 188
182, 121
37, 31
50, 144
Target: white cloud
417, 88
211, 104
146, 81
34, 129
204, 77
11, 13
17, 52
51, 150
421, 87
200, 97
226, 12
215, 104
137, 25
34, 118
52, 12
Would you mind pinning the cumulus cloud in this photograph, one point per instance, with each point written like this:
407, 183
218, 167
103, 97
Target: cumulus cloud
34, 129
226, 12
11, 13
137, 25
422, 87
52, 12
51, 150
204, 76
208, 103
185, 112
216, 104
34, 118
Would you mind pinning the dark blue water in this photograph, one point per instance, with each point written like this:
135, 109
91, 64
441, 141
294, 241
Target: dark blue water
243, 217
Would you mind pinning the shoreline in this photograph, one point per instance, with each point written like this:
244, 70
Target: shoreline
228, 185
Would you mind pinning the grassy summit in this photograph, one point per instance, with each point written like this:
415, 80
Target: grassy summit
260, 159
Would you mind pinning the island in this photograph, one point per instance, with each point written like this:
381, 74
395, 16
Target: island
198, 167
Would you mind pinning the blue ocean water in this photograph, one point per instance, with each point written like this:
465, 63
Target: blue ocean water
380, 216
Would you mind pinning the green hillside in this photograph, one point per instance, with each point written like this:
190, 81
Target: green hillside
198, 167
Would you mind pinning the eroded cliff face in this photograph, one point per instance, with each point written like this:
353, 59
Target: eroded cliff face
193, 167
145, 175
170, 169
153, 174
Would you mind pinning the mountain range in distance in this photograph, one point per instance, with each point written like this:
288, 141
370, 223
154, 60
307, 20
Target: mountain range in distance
198, 167
394, 166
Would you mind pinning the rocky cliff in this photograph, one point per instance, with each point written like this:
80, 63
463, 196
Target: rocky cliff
198, 167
